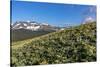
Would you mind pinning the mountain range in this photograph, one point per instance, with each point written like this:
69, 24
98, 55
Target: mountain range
34, 26
21, 30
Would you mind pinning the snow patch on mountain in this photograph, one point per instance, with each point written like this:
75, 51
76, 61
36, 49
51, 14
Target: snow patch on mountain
25, 24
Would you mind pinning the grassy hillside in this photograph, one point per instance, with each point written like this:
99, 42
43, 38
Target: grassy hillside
22, 34
77, 44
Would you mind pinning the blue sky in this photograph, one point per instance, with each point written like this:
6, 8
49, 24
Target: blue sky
51, 13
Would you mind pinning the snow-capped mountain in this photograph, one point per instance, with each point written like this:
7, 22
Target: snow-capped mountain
26, 25
28, 29
32, 25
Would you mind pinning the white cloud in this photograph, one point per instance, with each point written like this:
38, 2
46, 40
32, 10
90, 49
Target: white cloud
89, 19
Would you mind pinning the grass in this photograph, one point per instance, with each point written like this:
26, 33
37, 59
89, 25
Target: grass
76, 44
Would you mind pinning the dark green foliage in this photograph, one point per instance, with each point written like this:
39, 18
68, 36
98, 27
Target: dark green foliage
76, 44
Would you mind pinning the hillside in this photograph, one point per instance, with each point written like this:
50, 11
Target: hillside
76, 44
22, 34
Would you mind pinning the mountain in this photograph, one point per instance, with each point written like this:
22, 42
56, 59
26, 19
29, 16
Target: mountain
26, 25
28, 29
34, 26
71, 45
